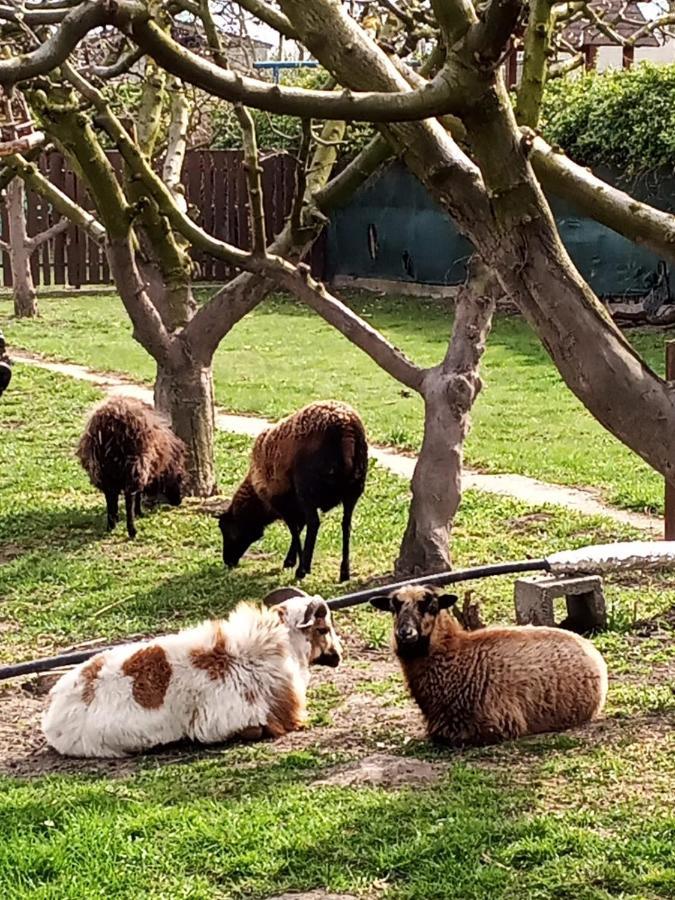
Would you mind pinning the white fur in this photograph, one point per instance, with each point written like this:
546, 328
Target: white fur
265, 646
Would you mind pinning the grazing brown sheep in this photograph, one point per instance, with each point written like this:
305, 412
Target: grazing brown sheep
493, 684
313, 460
5, 366
128, 449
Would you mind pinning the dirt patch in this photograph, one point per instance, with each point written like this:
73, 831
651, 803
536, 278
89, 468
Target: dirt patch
529, 522
10, 552
384, 770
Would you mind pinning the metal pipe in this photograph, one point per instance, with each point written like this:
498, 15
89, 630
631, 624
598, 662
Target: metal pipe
441, 578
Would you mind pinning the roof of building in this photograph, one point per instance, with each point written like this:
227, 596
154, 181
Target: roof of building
624, 17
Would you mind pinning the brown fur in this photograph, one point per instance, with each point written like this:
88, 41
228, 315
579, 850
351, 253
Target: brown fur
128, 449
89, 675
286, 711
493, 684
312, 460
216, 661
151, 673
275, 450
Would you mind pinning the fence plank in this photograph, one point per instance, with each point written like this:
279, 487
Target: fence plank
215, 184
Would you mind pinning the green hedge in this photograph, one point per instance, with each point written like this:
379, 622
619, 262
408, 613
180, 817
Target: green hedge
619, 118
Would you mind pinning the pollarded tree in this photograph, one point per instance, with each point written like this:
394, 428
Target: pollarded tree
148, 251
453, 124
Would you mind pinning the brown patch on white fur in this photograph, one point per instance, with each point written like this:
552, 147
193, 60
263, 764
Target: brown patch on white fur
150, 672
216, 661
286, 710
89, 675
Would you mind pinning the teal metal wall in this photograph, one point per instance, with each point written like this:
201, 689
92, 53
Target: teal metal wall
392, 229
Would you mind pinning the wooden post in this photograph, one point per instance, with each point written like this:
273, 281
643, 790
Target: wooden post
628, 57
590, 56
669, 504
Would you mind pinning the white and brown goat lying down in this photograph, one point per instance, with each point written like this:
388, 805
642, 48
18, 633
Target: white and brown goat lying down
492, 684
242, 677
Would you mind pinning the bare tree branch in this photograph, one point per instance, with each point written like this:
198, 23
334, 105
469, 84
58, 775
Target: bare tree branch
637, 221
355, 329
33, 17
535, 62
440, 96
125, 62
59, 201
355, 173
44, 236
489, 37
270, 16
176, 141
253, 179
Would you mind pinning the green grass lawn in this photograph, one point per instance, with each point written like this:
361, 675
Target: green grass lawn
582, 815
282, 356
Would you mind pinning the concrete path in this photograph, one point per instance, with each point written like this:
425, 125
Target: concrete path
520, 487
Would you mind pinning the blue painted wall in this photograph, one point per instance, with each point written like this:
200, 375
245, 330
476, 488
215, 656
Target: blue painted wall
393, 229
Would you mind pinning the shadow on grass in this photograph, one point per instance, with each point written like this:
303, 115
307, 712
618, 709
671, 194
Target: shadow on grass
24, 531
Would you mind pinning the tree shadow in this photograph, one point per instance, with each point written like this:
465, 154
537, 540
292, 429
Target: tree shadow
24, 531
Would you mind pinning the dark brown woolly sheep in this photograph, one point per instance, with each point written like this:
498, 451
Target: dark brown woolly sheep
493, 684
128, 449
5, 366
313, 460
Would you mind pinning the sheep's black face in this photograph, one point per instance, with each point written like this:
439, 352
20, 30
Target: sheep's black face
172, 489
415, 610
237, 538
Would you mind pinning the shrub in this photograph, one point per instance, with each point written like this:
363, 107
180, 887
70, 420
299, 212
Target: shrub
624, 119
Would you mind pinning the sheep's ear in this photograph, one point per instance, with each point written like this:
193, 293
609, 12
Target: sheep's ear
315, 610
381, 602
281, 594
445, 601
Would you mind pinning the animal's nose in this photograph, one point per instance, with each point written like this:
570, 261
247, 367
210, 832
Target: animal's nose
406, 634
331, 659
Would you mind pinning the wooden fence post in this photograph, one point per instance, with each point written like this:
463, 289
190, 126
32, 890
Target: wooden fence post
669, 504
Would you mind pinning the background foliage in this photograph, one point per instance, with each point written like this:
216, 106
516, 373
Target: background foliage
624, 119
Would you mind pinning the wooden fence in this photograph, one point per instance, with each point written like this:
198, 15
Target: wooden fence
215, 184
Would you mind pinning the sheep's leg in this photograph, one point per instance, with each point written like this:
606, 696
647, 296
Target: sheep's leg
138, 506
347, 511
129, 503
112, 505
313, 523
295, 549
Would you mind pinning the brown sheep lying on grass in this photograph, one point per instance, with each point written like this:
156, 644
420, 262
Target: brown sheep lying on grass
128, 449
492, 684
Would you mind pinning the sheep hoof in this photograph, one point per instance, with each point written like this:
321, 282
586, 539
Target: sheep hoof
289, 562
300, 574
345, 575
132, 533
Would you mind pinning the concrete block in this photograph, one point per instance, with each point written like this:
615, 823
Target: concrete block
584, 599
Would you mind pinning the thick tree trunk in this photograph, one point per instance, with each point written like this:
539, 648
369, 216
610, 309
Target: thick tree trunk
449, 392
184, 394
23, 287
501, 209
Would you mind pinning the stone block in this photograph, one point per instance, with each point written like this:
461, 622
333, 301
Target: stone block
584, 599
